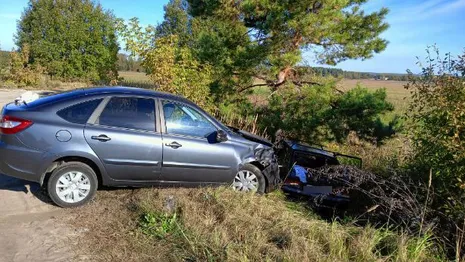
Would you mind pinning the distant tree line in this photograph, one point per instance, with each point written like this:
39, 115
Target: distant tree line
336, 72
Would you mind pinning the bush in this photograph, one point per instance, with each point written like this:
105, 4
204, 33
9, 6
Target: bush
20, 72
318, 113
436, 125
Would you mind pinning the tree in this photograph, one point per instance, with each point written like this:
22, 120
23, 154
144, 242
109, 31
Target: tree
231, 47
178, 72
245, 37
176, 21
71, 39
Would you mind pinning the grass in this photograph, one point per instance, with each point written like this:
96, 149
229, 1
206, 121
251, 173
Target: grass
217, 224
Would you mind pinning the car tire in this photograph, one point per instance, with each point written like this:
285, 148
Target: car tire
249, 178
72, 184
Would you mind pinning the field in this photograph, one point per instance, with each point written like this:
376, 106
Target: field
133, 76
135, 79
396, 92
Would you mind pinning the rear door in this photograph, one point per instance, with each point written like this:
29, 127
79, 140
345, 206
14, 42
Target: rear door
124, 135
188, 155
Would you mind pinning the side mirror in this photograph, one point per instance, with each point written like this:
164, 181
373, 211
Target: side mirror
221, 136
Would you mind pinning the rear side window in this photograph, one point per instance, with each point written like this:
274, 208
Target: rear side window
80, 113
129, 112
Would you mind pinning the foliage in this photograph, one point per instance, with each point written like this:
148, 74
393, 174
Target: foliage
437, 129
176, 22
4, 59
359, 110
173, 69
20, 72
214, 52
262, 39
70, 39
159, 225
317, 113
265, 38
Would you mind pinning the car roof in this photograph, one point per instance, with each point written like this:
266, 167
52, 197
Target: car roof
96, 91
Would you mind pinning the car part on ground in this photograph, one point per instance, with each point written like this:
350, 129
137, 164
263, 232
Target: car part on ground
300, 162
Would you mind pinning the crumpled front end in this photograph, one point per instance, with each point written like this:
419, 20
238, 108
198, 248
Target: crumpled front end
268, 160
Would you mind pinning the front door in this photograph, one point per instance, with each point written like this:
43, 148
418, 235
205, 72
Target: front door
125, 138
188, 155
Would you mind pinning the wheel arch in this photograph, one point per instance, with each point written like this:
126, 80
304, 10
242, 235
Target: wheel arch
261, 167
73, 158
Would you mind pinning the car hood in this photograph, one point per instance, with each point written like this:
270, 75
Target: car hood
251, 137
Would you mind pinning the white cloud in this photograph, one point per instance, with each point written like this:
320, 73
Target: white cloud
425, 10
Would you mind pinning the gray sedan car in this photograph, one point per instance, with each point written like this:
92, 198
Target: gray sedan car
75, 141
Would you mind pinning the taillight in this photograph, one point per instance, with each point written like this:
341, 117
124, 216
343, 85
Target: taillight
11, 125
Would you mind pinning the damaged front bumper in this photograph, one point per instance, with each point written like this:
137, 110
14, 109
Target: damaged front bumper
267, 158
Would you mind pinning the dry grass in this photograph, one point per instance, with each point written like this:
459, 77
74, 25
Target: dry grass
221, 225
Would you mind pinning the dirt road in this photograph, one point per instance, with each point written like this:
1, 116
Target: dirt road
31, 228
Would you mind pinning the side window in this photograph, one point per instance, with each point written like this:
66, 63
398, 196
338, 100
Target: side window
184, 120
80, 113
129, 112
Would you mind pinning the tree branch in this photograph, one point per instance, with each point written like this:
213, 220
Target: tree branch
301, 83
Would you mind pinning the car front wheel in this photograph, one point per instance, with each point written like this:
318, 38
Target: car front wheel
72, 184
249, 179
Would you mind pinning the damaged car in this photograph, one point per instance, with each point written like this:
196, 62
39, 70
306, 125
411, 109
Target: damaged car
71, 143
301, 165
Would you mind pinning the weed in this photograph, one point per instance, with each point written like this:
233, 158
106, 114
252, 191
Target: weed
159, 225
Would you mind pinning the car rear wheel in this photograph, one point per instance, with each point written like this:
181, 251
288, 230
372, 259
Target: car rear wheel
249, 179
72, 184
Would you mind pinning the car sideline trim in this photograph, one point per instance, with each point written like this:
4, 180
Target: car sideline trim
189, 165
130, 162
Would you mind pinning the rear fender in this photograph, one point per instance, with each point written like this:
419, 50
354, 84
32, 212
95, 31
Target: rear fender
49, 160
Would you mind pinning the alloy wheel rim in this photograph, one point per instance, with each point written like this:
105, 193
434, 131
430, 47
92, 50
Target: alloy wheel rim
245, 181
73, 187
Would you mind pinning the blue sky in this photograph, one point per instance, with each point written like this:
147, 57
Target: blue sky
414, 24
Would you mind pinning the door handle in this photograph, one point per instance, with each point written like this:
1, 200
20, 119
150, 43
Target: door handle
101, 138
174, 145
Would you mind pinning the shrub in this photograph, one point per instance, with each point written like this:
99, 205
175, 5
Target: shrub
20, 72
318, 113
436, 126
